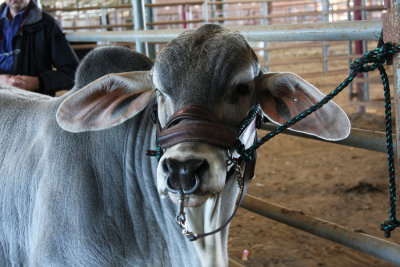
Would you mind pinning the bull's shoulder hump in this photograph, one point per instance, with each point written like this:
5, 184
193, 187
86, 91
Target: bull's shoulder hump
16, 103
17, 95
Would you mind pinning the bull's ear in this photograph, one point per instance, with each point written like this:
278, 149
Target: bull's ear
106, 102
285, 95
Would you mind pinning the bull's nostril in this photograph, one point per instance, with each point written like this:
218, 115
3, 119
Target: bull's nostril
165, 166
192, 189
170, 165
204, 166
185, 175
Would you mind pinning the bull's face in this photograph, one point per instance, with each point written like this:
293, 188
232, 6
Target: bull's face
212, 68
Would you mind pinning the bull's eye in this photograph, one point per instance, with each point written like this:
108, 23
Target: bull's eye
242, 89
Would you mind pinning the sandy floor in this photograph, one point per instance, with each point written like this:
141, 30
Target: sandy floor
344, 185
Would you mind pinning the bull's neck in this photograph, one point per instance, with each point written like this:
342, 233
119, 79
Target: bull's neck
155, 214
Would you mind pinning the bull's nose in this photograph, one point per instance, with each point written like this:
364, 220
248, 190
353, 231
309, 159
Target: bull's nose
184, 175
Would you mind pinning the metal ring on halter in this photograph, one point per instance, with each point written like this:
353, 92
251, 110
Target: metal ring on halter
179, 191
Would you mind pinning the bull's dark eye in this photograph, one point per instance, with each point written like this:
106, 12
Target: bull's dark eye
242, 89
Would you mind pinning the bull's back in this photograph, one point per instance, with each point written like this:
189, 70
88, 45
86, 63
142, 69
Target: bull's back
25, 119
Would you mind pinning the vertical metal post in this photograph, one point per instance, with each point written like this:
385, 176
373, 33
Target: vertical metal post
365, 50
149, 16
325, 48
358, 47
205, 11
219, 10
350, 51
140, 23
103, 18
213, 10
189, 15
182, 13
76, 17
86, 19
264, 21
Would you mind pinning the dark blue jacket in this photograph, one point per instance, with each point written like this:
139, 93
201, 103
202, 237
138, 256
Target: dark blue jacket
45, 52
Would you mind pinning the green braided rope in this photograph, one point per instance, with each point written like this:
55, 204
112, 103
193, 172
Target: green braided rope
371, 61
391, 224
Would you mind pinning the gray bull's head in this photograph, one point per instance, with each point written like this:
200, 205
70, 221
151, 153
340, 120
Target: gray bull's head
214, 68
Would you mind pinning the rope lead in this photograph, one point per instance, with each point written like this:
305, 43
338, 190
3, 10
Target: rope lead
371, 61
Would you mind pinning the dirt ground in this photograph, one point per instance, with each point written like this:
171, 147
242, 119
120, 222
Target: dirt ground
344, 185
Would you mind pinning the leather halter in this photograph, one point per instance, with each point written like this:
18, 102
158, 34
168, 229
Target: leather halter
196, 124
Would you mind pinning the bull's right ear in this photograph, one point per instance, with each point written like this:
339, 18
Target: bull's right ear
106, 102
285, 95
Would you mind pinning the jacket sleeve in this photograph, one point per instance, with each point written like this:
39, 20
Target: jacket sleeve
64, 61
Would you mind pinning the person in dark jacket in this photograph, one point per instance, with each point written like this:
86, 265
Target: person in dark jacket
34, 54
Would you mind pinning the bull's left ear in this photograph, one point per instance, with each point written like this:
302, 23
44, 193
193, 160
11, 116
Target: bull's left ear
106, 102
285, 95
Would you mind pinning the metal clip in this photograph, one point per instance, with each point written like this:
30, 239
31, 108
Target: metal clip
181, 217
230, 159
239, 175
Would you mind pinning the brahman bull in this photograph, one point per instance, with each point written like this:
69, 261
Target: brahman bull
76, 188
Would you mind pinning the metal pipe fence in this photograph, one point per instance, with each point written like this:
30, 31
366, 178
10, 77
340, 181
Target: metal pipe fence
318, 13
338, 31
365, 139
368, 244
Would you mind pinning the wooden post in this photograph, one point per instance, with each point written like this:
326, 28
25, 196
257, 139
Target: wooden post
391, 33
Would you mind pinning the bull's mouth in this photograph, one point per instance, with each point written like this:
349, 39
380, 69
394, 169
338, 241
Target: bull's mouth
192, 200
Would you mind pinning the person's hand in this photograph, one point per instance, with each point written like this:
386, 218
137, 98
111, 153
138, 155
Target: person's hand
6, 79
28, 83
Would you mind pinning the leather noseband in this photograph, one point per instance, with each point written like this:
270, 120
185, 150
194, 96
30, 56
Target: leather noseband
195, 124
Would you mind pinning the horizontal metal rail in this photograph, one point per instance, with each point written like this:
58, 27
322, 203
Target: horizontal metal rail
105, 26
366, 139
338, 31
356, 240
178, 3
128, 6
297, 45
258, 17
313, 59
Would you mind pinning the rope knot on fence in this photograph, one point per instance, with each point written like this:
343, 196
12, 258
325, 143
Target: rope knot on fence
372, 59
